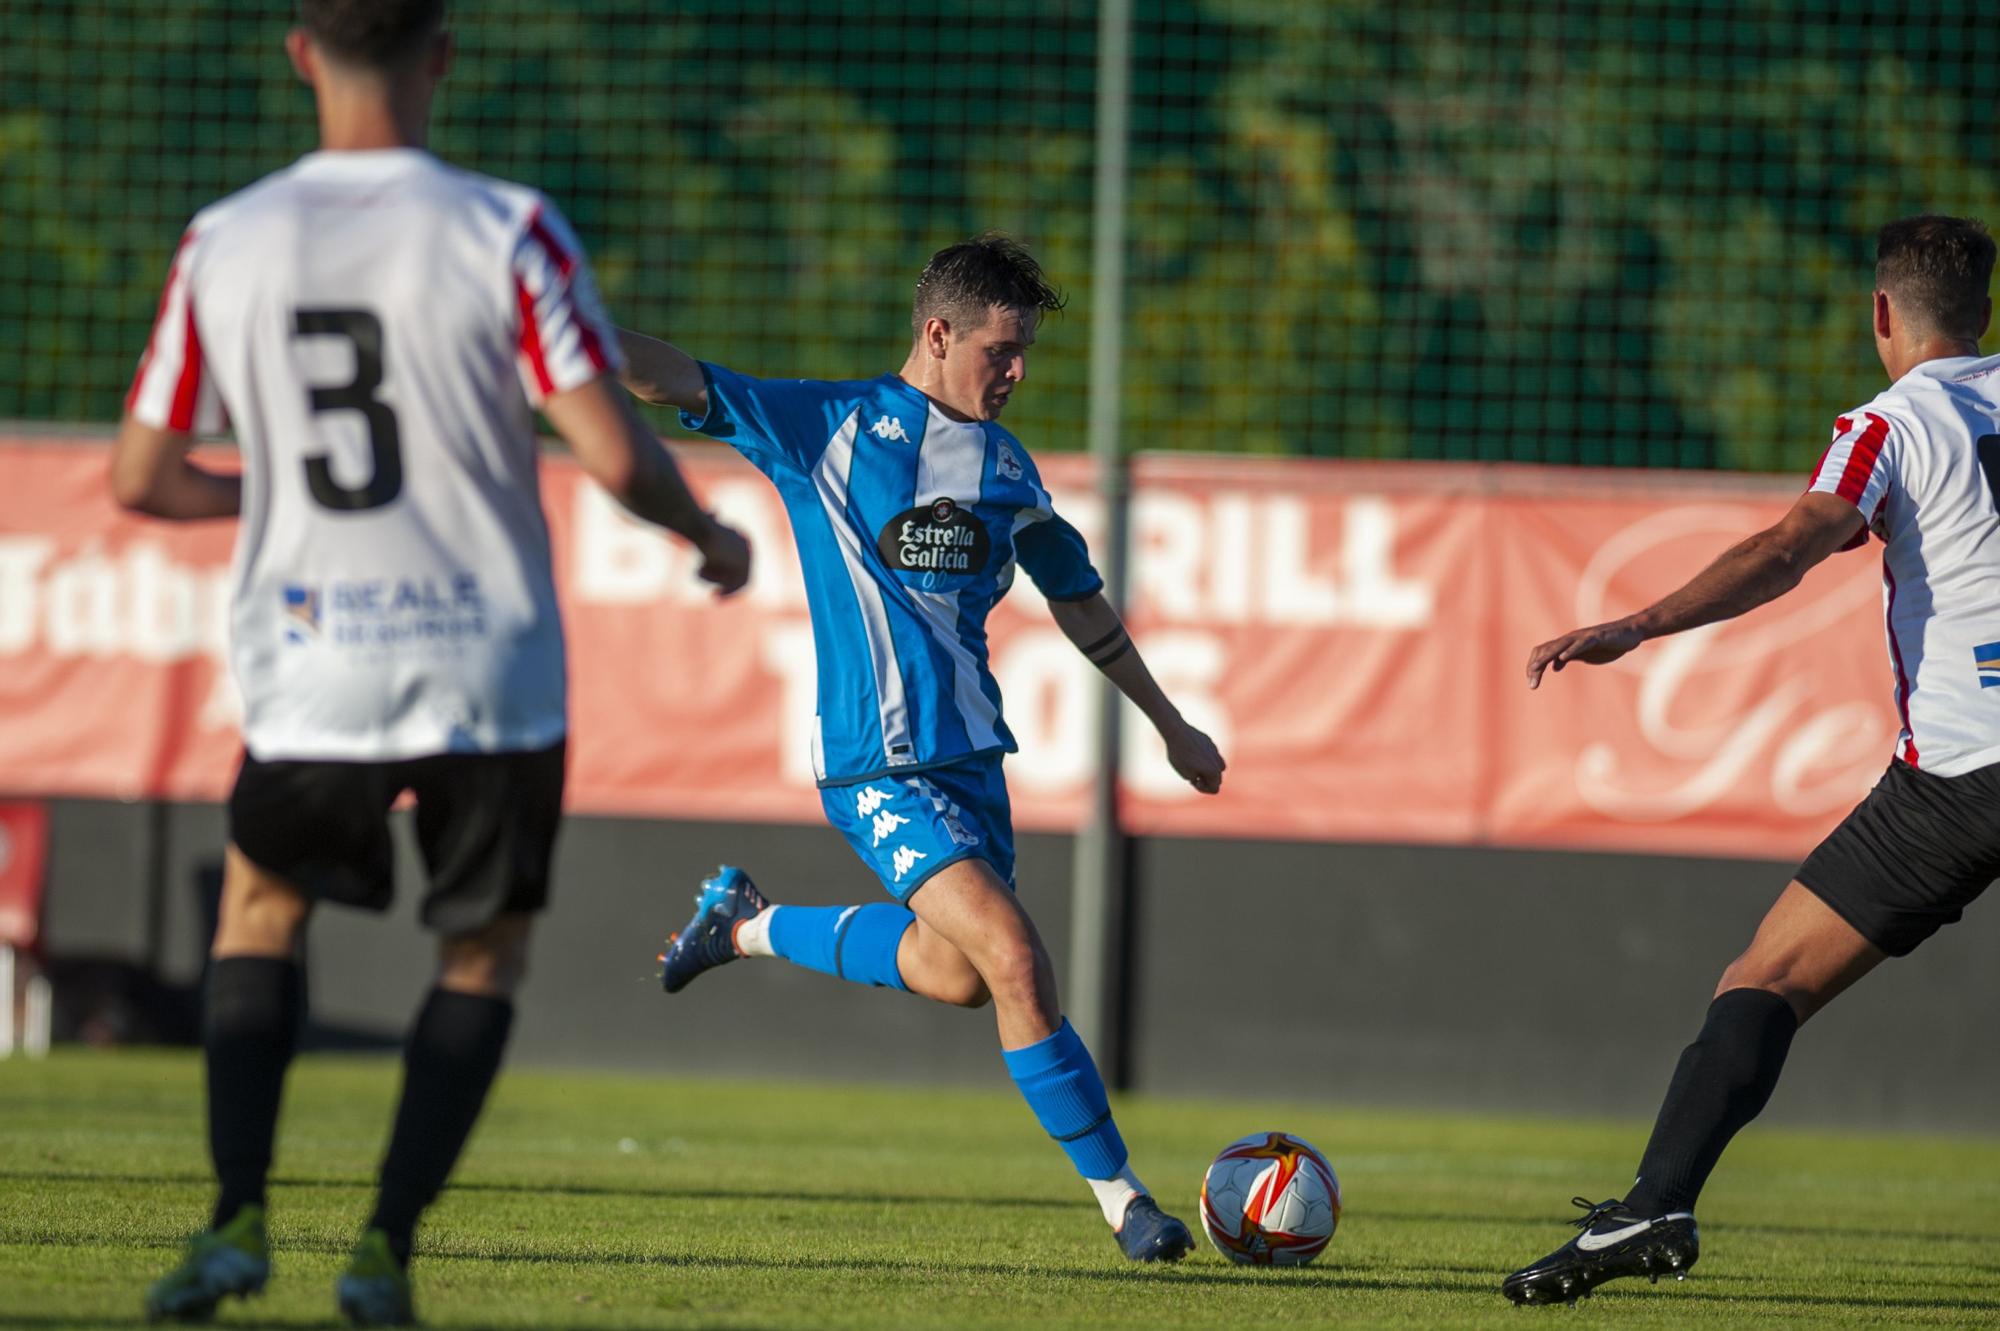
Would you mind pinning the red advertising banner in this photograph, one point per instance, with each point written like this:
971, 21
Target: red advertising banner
1353, 635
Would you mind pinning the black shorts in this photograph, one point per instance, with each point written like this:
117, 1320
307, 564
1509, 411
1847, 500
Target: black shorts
486, 823
1912, 856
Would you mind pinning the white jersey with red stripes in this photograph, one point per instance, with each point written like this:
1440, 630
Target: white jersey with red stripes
1922, 463
377, 328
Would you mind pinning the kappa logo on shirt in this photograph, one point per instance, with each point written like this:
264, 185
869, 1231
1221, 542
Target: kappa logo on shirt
904, 860
889, 428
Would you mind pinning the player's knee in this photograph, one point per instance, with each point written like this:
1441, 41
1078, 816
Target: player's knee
259, 915
966, 990
491, 962
1750, 971
1013, 970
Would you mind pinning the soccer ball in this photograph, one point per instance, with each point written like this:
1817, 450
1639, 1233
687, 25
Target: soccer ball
1270, 1200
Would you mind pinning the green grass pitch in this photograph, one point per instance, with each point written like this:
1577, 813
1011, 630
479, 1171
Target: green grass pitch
591, 1201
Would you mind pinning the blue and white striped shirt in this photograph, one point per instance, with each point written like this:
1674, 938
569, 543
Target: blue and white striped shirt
909, 525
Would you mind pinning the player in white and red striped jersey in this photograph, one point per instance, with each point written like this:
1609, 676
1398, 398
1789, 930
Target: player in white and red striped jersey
1919, 467
378, 328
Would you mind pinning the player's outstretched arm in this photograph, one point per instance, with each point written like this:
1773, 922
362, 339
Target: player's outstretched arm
662, 374
1753, 571
1097, 631
619, 452
151, 473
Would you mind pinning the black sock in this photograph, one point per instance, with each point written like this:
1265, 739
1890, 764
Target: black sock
449, 1063
1724, 1080
250, 1024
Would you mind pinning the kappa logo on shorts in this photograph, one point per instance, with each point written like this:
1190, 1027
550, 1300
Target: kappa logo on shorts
905, 859
868, 799
886, 823
1986, 659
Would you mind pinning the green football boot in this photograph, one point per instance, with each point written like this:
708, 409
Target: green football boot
235, 1259
375, 1289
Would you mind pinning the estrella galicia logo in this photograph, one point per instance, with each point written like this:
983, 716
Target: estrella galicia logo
301, 613
940, 537
1986, 659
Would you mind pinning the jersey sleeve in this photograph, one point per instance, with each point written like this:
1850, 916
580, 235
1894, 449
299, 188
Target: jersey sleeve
1055, 556
565, 340
1858, 466
770, 420
172, 389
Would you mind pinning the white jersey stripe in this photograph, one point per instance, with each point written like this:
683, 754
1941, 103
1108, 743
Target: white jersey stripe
170, 391
941, 612
830, 479
565, 339
951, 464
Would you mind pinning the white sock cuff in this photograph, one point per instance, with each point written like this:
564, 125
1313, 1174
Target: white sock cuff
1115, 1194
753, 936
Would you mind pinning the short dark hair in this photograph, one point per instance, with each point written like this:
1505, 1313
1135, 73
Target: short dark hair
963, 281
1937, 269
375, 34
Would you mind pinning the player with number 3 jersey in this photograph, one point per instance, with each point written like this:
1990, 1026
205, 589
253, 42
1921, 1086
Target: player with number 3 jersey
378, 328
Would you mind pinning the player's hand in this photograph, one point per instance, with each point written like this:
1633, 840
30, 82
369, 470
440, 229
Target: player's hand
1195, 757
1600, 644
725, 559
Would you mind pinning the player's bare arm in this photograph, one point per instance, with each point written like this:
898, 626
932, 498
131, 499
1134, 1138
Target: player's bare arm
1750, 573
661, 374
620, 453
1097, 631
151, 473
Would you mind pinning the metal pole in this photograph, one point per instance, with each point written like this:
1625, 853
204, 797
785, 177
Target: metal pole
1097, 949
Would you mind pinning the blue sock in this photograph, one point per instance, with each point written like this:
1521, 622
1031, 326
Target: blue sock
855, 943
1058, 1078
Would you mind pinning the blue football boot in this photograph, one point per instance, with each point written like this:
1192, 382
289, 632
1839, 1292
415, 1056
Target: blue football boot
728, 898
1151, 1235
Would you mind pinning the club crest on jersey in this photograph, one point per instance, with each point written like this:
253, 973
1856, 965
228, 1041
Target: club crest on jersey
1007, 465
301, 613
940, 537
889, 428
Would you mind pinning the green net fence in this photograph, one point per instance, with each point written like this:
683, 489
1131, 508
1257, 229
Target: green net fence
1622, 233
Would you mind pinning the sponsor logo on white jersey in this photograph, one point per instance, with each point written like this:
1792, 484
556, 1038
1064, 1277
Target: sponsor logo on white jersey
886, 823
868, 799
889, 428
905, 859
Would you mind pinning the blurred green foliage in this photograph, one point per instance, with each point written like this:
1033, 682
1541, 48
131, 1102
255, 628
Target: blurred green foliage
1628, 233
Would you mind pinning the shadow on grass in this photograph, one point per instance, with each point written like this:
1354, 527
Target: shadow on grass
1475, 1282
1374, 1215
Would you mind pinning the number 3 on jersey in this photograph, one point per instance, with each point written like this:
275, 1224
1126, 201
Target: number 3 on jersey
364, 331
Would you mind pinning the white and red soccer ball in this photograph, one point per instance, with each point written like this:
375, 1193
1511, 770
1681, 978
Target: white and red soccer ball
1270, 1200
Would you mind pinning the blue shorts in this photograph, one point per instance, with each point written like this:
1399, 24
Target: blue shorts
906, 828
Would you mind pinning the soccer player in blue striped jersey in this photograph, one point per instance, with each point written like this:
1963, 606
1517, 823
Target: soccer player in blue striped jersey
912, 509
